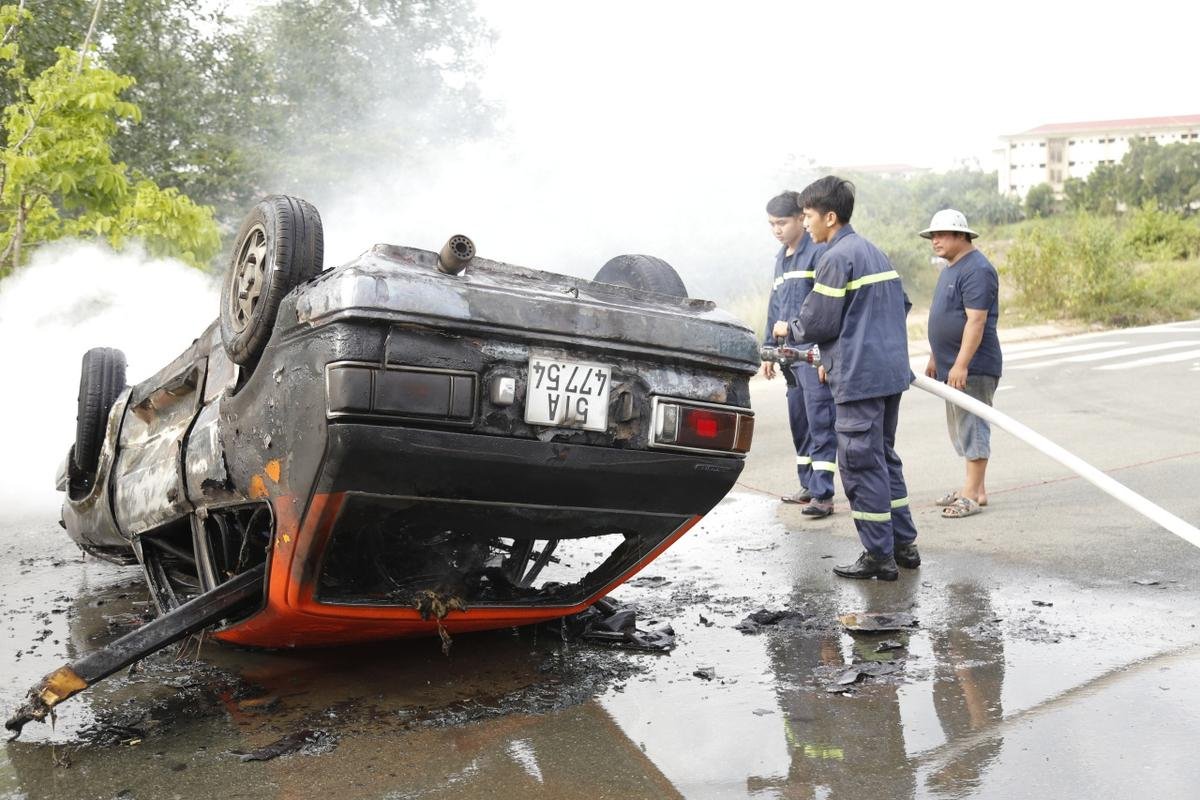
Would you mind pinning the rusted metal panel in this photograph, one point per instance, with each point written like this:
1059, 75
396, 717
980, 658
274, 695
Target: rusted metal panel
207, 476
148, 486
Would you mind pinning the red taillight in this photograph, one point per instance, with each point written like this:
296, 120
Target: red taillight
702, 427
703, 423
705, 428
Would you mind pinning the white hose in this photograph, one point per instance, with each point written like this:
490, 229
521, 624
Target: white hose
1071, 461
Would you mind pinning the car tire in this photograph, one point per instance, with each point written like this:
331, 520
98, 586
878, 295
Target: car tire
647, 273
101, 380
279, 246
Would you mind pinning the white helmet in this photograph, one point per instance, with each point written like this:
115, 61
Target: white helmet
948, 220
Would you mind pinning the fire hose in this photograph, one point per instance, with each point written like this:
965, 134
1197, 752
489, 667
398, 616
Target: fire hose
785, 356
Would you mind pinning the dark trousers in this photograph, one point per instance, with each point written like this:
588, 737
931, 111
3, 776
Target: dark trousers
821, 446
872, 473
798, 421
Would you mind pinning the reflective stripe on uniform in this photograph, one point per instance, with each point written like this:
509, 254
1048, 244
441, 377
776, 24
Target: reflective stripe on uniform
870, 516
804, 460
828, 466
828, 291
900, 503
792, 275
879, 277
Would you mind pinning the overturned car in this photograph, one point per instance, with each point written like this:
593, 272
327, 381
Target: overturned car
412, 442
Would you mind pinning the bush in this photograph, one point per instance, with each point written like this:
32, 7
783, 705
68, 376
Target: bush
1165, 292
1156, 235
1072, 268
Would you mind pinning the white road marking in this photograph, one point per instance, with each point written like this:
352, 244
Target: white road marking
1146, 362
1054, 351
1108, 354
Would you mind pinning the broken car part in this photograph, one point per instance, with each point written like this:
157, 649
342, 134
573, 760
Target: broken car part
194, 615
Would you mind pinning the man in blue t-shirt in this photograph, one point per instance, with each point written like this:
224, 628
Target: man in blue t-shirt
965, 349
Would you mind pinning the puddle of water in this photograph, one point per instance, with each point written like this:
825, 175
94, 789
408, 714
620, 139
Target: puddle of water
988, 684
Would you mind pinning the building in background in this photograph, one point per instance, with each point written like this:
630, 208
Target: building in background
1053, 153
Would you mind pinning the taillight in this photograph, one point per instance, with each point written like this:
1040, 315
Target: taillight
689, 425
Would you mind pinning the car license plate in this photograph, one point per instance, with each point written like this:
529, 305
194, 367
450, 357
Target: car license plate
567, 394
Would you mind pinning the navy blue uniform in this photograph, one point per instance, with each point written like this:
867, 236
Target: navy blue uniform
810, 404
856, 313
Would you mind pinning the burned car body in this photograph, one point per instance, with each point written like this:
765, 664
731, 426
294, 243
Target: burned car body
401, 445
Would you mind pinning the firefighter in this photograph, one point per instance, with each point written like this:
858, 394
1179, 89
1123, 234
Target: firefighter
810, 405
856, 313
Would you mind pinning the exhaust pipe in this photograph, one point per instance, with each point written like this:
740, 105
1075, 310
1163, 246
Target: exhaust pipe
456, 254
1156, 513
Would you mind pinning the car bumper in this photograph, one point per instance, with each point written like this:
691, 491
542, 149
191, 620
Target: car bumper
387, 496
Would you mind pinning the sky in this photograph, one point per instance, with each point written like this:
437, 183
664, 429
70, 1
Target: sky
664, 127
846, 83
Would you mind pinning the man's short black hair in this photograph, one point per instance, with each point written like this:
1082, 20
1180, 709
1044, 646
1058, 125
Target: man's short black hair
786, 204
830, 193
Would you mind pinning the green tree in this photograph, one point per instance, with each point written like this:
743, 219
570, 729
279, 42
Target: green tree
1039, 201
207, 96
57, 174
293, 95
361, 83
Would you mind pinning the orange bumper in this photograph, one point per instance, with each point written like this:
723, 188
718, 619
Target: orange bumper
292, 617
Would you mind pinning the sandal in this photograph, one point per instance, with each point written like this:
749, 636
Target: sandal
950, 498
962, 507
947, 499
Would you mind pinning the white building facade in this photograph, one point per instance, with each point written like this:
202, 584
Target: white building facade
1053, 153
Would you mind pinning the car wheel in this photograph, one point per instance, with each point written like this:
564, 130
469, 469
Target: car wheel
648, 273
101, 379
279, 246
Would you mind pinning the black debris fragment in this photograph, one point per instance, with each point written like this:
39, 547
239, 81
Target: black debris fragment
616, 626
764, 618
705, 673
878, 623
310, 742
888, 644
1044, 603
1145, 582
855, 673
849, 676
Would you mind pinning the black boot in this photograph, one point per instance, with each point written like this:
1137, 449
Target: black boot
799, 497
869, 566
907, 555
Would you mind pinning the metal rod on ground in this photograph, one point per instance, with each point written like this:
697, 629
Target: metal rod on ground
1189, 533
197, 613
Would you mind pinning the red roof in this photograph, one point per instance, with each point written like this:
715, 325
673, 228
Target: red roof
1114, 124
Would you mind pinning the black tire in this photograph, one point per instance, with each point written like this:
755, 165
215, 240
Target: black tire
280, 245
648, 273
101, 379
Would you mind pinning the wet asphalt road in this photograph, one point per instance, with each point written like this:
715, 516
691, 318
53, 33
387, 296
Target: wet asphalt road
1056, 654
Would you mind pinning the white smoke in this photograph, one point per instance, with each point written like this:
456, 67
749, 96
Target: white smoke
567, 217
69, 298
